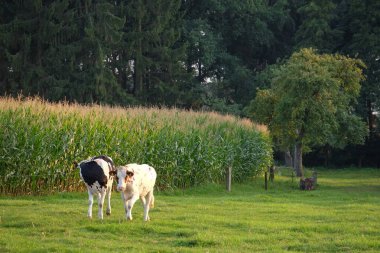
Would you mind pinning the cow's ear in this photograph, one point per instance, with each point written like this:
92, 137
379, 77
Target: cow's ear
113, 172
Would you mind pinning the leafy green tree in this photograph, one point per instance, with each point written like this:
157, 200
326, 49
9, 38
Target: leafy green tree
256, 32
228, 41
202, 50
362, 25
316, 29
310, 103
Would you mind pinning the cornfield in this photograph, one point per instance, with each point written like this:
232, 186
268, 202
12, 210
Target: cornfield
41, 140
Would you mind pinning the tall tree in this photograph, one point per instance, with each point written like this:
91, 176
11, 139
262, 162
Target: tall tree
98, 31
230, 40
5, 16
362, 25
316, 29
27, 28
310, 103
203, 48
59, 49
155, 54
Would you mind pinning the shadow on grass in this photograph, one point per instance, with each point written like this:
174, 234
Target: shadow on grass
195, 243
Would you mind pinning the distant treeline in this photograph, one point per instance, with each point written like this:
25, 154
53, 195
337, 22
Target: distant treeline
209, 54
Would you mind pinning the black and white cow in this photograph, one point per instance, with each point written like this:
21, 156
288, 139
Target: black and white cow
95, 173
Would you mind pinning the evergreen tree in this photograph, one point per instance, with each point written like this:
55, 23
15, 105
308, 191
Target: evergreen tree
5, 16
27, 30
316, 29
154, 54
98, 30
60, 49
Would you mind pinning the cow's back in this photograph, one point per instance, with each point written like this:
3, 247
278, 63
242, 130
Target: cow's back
145, 178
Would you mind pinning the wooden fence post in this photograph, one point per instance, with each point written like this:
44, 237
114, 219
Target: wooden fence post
266, 180
228, 178
315, 176
271, 173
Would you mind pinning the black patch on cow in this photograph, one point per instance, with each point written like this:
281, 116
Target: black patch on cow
92, 172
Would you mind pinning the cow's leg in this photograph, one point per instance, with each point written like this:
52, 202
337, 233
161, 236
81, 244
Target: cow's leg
101, 197
90, 202
146, 203
143, 201
151, 204
128, 205
108, 210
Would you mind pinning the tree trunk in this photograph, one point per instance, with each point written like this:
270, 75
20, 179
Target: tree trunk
288, 159
298, 159
327, 155
199, 71
138, 87
371, 120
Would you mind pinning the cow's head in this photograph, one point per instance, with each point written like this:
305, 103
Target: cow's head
124, 176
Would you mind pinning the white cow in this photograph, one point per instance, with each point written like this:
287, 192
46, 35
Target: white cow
136, 181
97, 175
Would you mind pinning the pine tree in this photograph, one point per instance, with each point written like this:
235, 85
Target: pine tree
98, 31
5, 16
61, 49
25, 35
152, 34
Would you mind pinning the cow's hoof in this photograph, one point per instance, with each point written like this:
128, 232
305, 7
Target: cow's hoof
129, 218
108, 213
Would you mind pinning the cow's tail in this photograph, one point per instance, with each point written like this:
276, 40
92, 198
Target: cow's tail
152, 202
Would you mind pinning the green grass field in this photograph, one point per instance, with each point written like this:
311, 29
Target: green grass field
342, 215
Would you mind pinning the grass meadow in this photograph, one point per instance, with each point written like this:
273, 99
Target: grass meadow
341, 215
